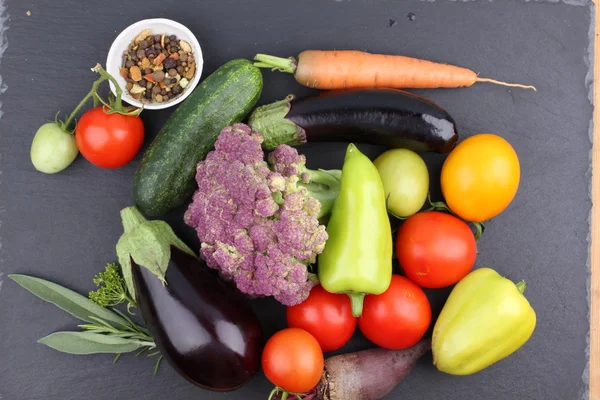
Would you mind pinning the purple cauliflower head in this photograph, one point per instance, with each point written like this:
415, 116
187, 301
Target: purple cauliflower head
257, 226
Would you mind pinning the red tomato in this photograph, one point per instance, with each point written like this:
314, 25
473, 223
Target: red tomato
435, 249
326, 316
293, 360
109, 140
398, 318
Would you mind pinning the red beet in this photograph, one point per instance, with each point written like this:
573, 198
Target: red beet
367, 374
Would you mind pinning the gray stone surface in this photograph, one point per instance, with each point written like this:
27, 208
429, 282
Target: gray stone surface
64, 227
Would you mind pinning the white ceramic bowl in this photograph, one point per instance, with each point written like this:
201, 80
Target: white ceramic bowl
158, 26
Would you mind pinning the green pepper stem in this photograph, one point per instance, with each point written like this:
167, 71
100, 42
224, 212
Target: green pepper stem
356, 301
288, 65
521, 285
131, 218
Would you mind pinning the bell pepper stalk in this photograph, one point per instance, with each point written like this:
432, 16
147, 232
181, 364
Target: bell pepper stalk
485, 319
357, 259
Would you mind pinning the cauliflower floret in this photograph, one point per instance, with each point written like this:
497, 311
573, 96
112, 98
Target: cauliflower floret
257, 222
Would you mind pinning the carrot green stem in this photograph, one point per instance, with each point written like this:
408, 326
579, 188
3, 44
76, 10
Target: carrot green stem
288, 65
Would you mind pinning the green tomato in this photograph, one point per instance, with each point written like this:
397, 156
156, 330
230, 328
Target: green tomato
405, 180
52, 149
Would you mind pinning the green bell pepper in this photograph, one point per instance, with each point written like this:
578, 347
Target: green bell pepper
357, 259
485, 319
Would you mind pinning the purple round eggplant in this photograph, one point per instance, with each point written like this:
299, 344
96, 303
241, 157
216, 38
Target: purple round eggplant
204, 328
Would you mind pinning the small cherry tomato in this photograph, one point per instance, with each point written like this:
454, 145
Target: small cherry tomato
435, 249
326, 316
109, 140
293, 360
480, 177
398, 318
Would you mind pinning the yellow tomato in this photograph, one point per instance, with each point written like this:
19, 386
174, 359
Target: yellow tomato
480, 177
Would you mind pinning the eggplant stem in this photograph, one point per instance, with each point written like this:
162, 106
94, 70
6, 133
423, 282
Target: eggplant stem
131, 218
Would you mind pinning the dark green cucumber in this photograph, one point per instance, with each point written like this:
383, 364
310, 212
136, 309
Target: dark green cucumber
165, 178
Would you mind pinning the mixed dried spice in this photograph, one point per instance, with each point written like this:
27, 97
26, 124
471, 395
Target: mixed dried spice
157, 67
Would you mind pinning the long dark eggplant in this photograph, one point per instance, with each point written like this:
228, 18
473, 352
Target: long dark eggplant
202, 327
388, 117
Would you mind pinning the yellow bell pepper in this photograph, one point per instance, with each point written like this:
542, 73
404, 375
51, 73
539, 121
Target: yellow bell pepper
485, 319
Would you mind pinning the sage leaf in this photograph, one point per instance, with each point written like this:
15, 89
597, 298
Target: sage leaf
82, 343
75, 304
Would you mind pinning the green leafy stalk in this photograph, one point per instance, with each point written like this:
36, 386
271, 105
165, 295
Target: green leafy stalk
324, 186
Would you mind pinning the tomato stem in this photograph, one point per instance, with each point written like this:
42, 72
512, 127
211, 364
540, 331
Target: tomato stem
479, 229
97, 98
113, 107
280, 394
91, 93
441, 206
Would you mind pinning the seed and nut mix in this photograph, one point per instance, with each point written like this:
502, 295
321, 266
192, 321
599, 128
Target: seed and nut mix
157, 67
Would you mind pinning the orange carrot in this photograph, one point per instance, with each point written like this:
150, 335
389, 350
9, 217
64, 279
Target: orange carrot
345, 69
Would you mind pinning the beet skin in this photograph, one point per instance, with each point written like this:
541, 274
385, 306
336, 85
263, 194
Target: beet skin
368, 374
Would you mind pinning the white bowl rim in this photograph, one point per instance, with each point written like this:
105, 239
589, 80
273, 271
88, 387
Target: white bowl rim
126, 34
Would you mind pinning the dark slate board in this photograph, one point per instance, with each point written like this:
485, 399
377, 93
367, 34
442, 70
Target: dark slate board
64, 227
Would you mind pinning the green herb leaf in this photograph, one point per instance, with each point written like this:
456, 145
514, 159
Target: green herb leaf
89, 343
75, 304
